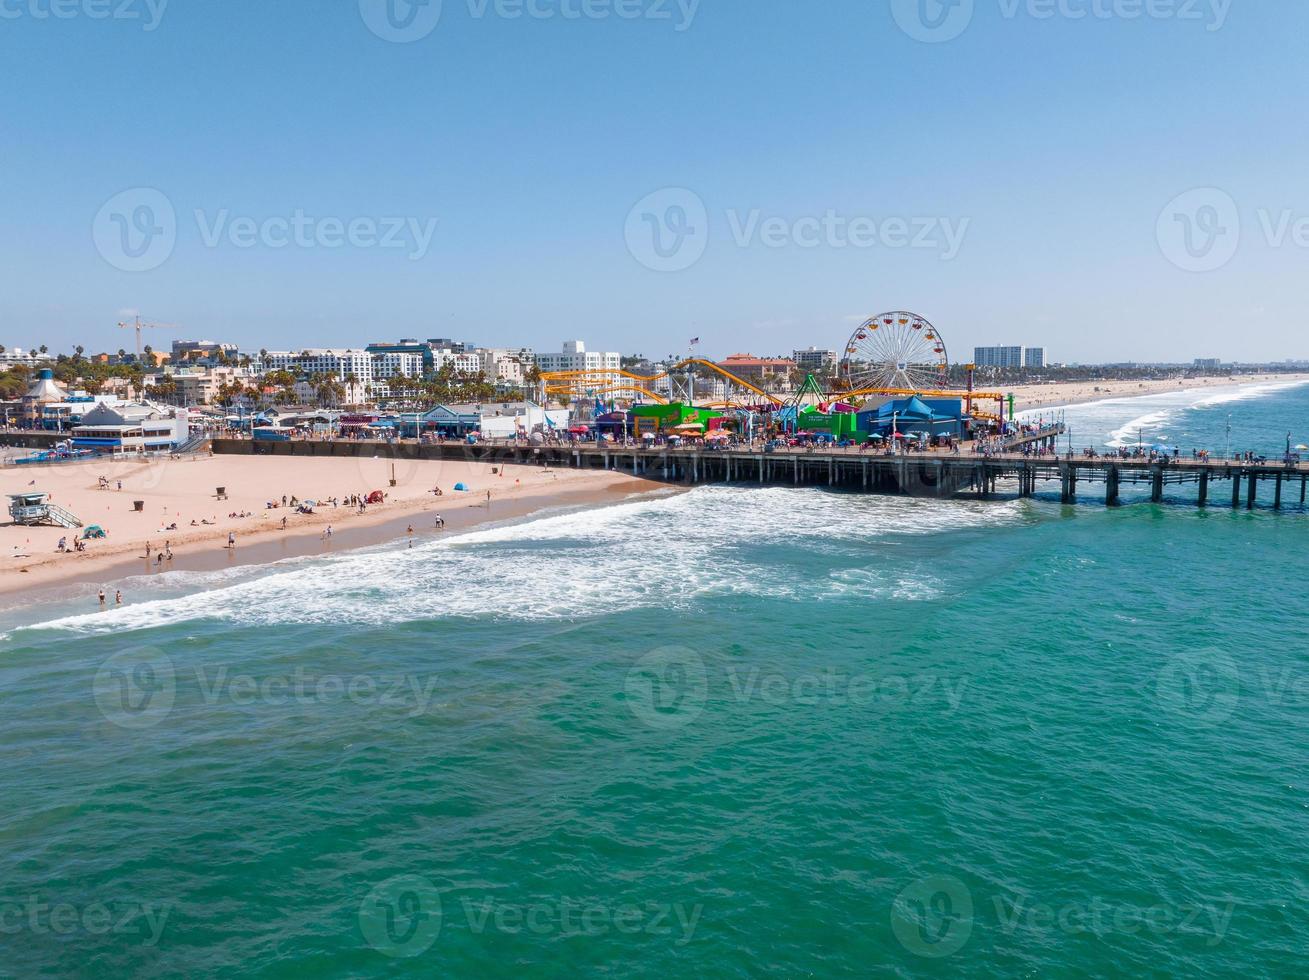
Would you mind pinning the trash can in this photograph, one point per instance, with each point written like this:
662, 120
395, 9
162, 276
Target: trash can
138, 505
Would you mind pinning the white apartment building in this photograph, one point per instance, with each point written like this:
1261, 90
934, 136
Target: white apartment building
324, 360
388, 366
462, 362
13, 356
575, 357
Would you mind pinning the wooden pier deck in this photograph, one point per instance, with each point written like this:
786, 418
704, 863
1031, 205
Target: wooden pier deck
941, 474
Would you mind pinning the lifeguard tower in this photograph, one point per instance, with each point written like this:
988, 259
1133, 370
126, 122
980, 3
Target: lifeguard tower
35, 508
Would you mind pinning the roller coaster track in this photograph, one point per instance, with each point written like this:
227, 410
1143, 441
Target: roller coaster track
572, 378
562, 389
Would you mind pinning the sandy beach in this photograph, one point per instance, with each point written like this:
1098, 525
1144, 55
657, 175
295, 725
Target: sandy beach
1030, 398
182, 492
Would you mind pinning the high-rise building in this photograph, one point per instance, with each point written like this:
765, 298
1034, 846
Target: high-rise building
1033, 357
998, 357
353, 364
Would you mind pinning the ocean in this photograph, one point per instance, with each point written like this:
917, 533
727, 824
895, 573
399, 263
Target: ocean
730, 732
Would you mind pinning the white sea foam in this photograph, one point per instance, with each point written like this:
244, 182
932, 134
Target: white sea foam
1245, 393
667, 552
1136, 429
1123, 421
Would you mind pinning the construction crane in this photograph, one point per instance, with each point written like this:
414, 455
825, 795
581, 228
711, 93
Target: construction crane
139, 326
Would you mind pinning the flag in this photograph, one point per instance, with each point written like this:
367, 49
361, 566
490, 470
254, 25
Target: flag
694, 341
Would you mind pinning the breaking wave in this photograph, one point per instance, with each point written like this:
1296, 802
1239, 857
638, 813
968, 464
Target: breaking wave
668, 552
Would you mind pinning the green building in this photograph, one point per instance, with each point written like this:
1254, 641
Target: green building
662, 418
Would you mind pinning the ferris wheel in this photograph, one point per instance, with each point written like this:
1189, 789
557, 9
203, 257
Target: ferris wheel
896, 351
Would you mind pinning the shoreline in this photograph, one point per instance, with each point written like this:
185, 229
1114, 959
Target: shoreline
272, 547
182, 493
1077, 393
276, 547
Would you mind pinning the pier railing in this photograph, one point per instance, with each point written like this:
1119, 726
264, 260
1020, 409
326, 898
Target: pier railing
1014, 472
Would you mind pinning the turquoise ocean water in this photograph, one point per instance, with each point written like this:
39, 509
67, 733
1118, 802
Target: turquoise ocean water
733, 732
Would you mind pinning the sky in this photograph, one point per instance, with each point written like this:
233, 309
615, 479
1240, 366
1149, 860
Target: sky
1111, 179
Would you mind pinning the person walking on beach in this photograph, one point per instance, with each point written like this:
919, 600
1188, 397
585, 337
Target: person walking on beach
283, 522
118, 597
440, 522
102, 597
328, 532
231, 539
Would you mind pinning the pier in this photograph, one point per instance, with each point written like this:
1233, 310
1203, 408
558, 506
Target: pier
1008, 474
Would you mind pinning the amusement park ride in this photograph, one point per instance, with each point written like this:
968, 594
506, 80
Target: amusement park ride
891, 355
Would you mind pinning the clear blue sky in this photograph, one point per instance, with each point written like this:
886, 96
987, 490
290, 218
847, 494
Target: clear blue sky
529, 140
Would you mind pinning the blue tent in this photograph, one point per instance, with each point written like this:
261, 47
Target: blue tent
913, 414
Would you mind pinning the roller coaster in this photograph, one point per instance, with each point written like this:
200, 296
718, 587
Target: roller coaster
891, 355
597, 381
